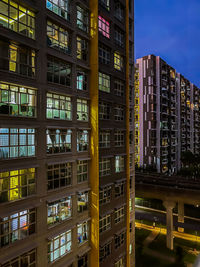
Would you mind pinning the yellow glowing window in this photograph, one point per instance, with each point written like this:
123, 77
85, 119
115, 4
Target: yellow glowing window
118, 61
17, 184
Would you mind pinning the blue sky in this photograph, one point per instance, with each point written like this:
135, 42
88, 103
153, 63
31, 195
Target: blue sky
170, 29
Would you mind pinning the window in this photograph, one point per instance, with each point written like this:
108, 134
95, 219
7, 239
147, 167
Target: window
131, 182
58, 107
119, 88
104, 54
16, 142
59, 246
105, 195
59, 210
104, 26
82, 19
83, 261
28, 259
104, 167
119, 163
17, 18
118, 61
119, 189
17, 59
119, 37
104, 111
119, 138
82, 199
81, 80
82, 232
17, 226
59, 7
120, 263
119, 240
131, 161
17, 184
58, 37
82, 48
105, 223
82, 110
105, 251
59, 175
58, 72
105, 4
58, 141
130, 204
82, 140
131, 115
119, 215
131, 138
104, 139
17, 100
119, 113
119, 11
82, 171
104, 82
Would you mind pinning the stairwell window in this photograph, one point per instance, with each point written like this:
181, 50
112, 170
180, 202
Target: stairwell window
119, 163
104, 82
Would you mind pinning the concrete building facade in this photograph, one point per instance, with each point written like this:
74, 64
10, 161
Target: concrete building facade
66, 133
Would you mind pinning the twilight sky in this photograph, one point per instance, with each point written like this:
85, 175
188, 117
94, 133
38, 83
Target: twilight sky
170, 29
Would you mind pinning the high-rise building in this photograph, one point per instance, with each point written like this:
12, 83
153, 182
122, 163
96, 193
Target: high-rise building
66, 133
166, 115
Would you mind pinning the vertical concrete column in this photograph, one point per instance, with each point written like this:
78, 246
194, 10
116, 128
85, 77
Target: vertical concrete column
169, 205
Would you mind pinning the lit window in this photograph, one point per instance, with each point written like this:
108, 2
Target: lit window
17, 100
119, 37
104, 27
82, 110
105, 223
82, 140
82, 170
118, 61
119, 163
82, 232
130, 204
81, 80
119, 138
58, 72
119, 189
82, 48
59, 246
105, 4
105, 251
82, 19
59, 7
104, 111
17, 184
27, 259
119, 88
59, 175
104, 167
17, 59
17, 18
58, 141
104, 82
105, 195
59, 211
58, 107
57, 37
17, 226
119, 215
119, 240
104, 54
16, 142
119, 11
104, 139
119, 113
82, 199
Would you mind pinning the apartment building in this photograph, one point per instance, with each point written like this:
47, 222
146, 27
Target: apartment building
66, 133
166, 115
